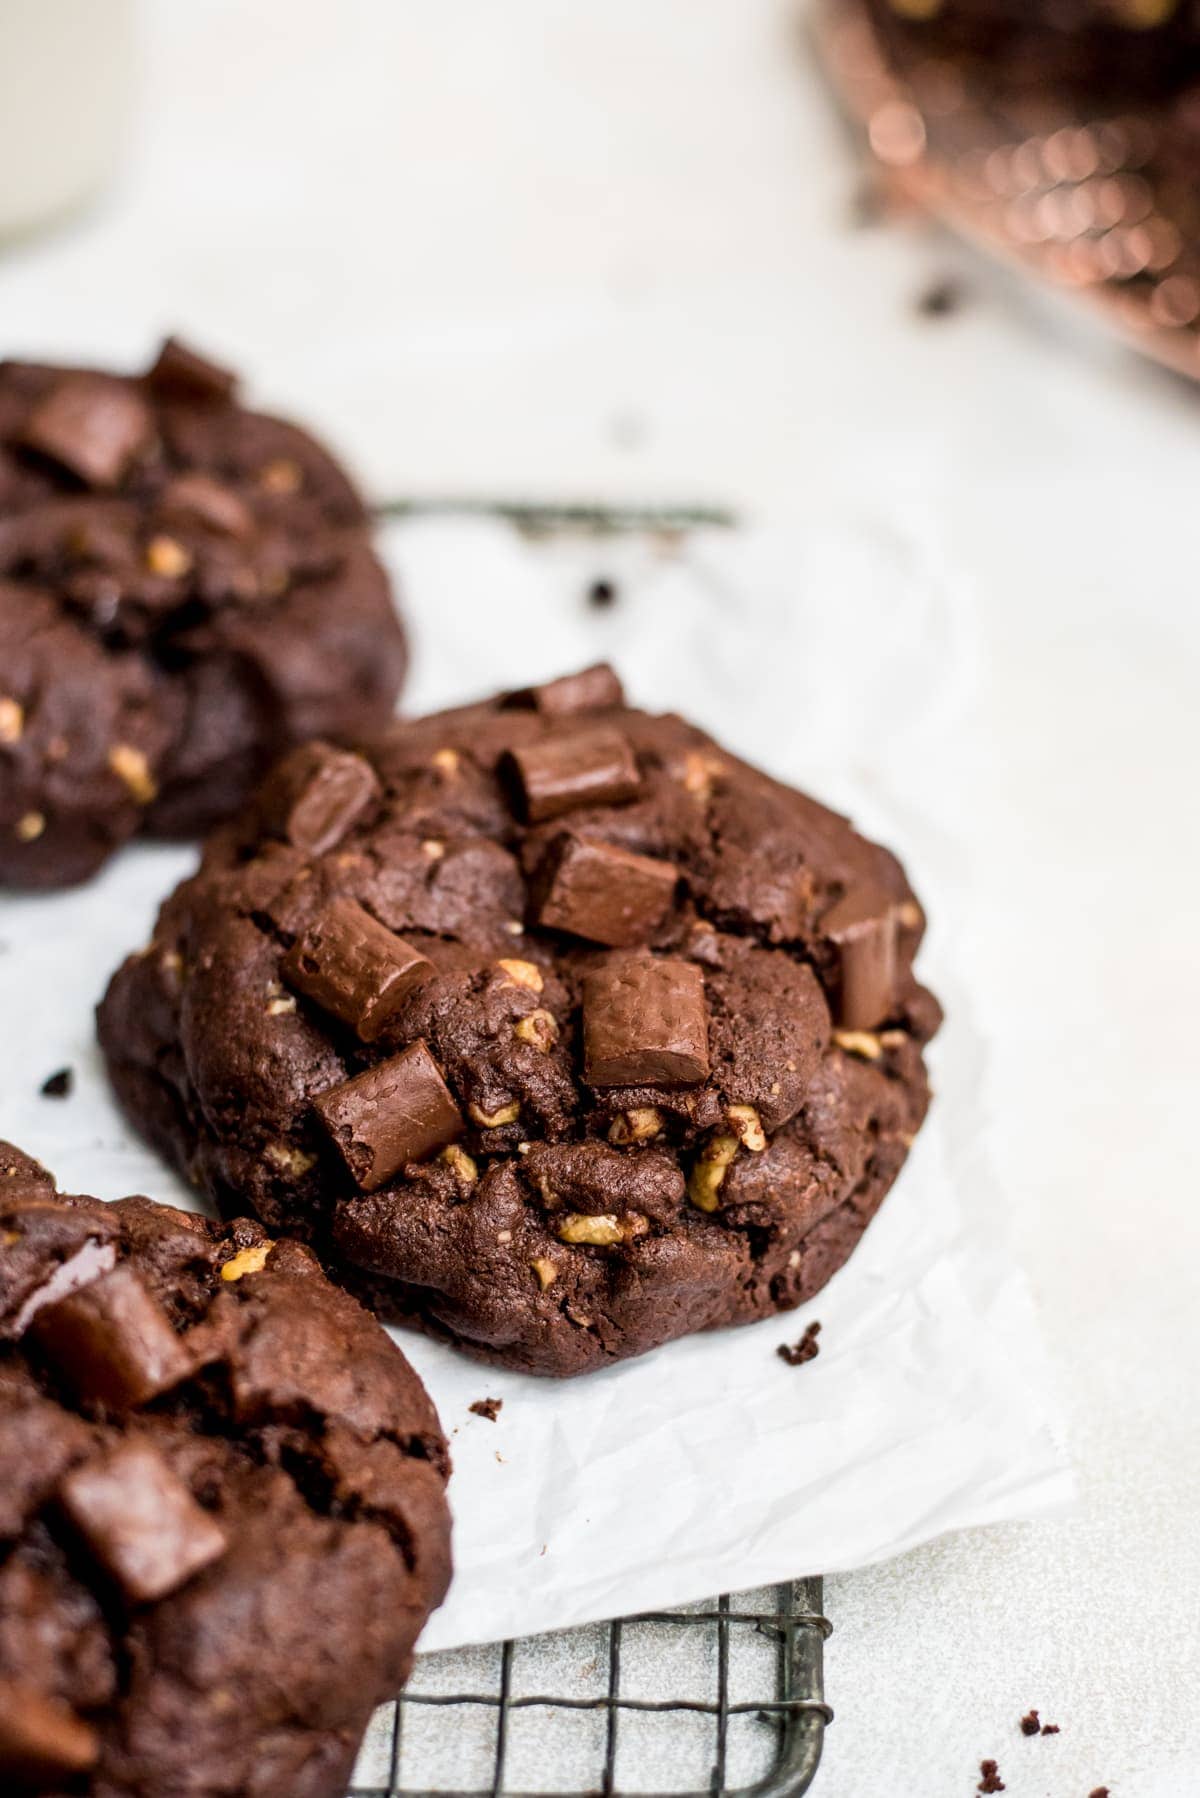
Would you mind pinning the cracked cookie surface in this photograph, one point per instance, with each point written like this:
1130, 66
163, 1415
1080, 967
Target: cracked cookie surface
222, 1510
187, 589
561, 1031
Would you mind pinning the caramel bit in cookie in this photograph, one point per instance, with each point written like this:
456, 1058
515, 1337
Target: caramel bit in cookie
990, 1780
354, 968
133, 771
29, 827
709, 1170
167, 557
594, 689
113, 1342
183, 373
91, 425
487, 1407
140, 1521
250, 1260
602, 893
316, 794
545, 1269
862, 928
41, 1740
283, 477
445, 762
645, 1023
12, 721
590, 766
401, 1110
807, 1349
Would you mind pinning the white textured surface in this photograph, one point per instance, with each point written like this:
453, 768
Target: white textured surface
549, 247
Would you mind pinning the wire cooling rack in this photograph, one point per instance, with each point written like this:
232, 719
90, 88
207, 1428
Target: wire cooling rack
724, 1699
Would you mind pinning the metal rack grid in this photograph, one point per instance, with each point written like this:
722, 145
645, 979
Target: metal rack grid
753, 1703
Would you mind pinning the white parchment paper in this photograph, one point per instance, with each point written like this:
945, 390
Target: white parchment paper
709, 1465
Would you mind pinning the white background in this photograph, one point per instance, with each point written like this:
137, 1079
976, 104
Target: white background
605, 248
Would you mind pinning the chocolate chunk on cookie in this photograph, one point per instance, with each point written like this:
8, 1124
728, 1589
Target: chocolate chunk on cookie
570, 1034
222, 1509
187, 588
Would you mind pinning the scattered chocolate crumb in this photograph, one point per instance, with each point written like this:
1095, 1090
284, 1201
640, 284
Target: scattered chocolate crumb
1100, 1792
868, 206
941, 298
991, 1780
1049, 1729
1031, 1723
602, 593
59, 1085
807, 1349
487, 1407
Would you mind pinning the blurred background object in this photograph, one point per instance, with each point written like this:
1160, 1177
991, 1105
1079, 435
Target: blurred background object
68, 73
1064, 135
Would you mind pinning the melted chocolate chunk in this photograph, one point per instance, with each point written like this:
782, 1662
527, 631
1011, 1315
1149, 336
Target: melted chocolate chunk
601, 892
316, 794
645, 1023
355, 968
113, 1342
561, 773
92, 426
140, 1521
396, 1112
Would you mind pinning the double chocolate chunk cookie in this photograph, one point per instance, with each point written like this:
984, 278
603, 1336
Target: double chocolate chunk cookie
564, 1030
186, 590
222, 1505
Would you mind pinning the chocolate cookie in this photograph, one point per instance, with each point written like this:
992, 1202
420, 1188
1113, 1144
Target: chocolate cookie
221, 1503
564, 1030
186, 590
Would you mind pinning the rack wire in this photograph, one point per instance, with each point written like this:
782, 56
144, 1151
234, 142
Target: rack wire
719, 1700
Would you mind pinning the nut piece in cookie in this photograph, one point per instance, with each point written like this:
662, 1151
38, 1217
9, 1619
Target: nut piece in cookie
645, 1023
399, 1111
601, 892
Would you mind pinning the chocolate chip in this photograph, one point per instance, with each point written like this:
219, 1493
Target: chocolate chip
990, 1780
316, 794
140, 1521
91, 425
41, 1740
602, 594
645, 1023
396, 1112
594, 689
601, 892
58, 1086
355, 968
862, 928
487, 1407
196, 499
181, 373
560, 773
807, 1349
113, 1342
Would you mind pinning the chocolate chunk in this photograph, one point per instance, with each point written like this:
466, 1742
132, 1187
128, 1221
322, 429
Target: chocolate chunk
487, 1407
588, 767
355, 968
315, 794
862, 928
91, 426
196, 499
181, 373
601, 892
396, 1112
113, 1342
72, 1275
593, 689
58, 1086
140, 1520
645, 1023
41, 1741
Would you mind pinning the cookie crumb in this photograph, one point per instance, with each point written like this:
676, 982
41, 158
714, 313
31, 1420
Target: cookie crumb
1099, 1792
59, 1085
941, 298
602, 594
807, 1349
991, 1780
1050, 1729
1030, 1724
487, 1407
